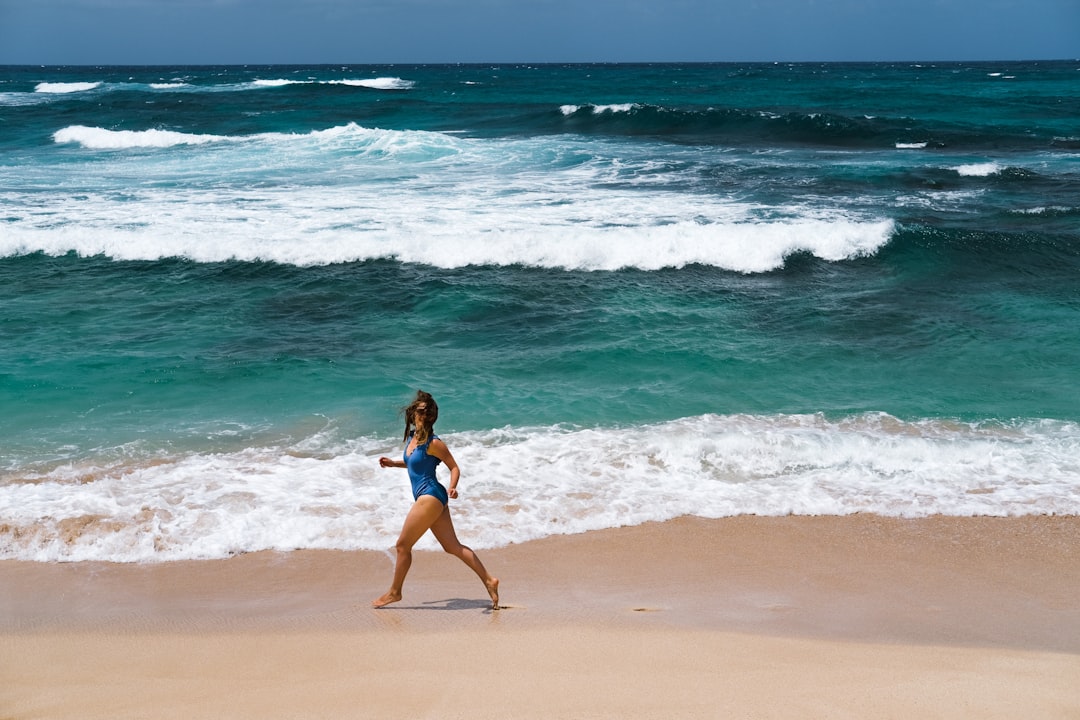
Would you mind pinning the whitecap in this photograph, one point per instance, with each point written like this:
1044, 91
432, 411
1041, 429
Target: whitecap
65, 87
276, 83
978, 169
452, 202
94, 138
380, 83
598, 109
1051, 210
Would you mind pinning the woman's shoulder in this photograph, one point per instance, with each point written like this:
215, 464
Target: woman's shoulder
438, 446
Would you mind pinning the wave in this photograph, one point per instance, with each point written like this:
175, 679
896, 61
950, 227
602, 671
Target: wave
276, 83
521, 484
985, 169
101, 139
379, 83
63, 88
17, 99
351, 137
383, 83
68, 88
744, 248
741, 247
466, 227
421, 197
1051, 211
755, 126
46, 92
569, 110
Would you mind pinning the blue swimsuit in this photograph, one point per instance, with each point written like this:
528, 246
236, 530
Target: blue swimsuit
421, 468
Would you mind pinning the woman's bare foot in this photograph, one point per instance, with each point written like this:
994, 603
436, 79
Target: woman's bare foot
391, 597
493, 591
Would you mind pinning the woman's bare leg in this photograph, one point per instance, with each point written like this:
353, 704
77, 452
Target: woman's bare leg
424, 512
443, 529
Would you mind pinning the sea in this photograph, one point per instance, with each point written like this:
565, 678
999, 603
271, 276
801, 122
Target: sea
637, 292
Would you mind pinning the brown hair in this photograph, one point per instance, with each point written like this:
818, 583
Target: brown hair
423, 432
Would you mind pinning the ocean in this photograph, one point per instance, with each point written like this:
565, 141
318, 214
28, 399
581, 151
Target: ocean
636, 291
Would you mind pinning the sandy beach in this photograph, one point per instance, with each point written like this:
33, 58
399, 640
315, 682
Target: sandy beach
791, 617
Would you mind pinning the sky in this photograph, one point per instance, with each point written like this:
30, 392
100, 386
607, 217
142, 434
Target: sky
151, 32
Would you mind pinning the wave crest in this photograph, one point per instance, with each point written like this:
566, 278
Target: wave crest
379, 83
303, 229
63, 88
424, 198
94, 138
985, 169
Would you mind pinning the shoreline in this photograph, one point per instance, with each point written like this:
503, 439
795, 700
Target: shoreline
849, 616
942, 580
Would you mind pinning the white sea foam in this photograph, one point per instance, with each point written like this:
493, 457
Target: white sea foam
305, 228
526, 483
617, 108
598, 109
95, 138
102, 139
417, 197
978, 169
15, 99
744, 247
379, 83
1052, 210
65, 87
910, 146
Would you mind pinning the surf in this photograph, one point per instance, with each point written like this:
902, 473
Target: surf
522, 483
94, 138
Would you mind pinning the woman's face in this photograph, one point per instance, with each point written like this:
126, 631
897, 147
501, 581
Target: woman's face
420, 414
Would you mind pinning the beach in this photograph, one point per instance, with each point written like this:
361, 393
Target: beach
780, 617
761, 378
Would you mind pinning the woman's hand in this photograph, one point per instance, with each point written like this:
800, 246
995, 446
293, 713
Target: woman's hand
388, 462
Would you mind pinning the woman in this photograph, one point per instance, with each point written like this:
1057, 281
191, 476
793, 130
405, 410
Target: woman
430, 511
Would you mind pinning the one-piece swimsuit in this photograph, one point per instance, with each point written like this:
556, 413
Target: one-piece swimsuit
421, 468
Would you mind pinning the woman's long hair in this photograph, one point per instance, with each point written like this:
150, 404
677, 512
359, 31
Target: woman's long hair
423, 432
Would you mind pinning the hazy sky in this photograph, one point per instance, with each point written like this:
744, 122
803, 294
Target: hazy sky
417, 31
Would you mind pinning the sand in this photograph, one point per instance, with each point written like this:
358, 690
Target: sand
748, 617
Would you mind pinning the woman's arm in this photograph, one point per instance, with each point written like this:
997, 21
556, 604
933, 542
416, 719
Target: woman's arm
438, 449
388, 462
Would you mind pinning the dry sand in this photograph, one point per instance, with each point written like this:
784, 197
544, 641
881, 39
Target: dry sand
748, 617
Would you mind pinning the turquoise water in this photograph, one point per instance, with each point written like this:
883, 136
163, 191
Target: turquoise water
98, 352
769, 280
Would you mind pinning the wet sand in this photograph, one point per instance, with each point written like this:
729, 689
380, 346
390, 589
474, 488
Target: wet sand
791, 617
